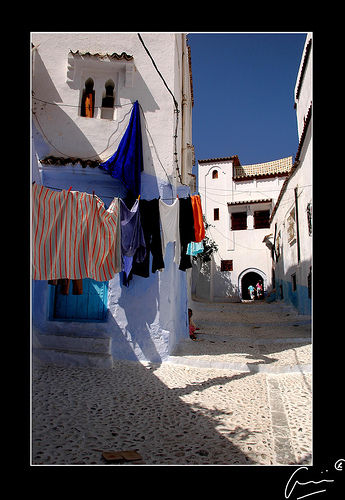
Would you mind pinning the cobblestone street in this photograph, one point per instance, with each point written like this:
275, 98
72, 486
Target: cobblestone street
241, 394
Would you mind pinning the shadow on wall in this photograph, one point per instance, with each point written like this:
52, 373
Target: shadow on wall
144, 320
51, 130
294, 286
134, 319
129, 316
147, 318
51, 127
222, 286
51, 122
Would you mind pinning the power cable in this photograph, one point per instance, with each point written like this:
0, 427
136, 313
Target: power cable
175, 103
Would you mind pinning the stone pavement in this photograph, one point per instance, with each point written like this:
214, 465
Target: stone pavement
239, 395
251, 336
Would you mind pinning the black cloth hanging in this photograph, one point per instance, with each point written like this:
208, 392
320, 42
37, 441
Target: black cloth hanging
187, 233
150, 222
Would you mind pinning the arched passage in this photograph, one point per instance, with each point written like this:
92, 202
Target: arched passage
250, 277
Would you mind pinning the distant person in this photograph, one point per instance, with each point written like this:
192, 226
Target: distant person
259, 290
192, 326
251, 292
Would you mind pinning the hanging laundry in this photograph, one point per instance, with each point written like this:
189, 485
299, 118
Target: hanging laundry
126, 163
194, 248
187, 233
198, 219
169, 215
150, 222
77, 286
133, 245
74, 236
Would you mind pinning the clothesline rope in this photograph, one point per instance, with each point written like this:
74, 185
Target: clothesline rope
111, 197
75, 237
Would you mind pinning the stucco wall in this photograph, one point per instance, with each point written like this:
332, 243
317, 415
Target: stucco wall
244, 247
288, 264
146, 319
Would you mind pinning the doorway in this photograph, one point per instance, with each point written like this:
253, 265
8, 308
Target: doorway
91, 305
250, 278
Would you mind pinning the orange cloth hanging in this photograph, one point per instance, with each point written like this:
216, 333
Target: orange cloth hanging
199, 227
88, 106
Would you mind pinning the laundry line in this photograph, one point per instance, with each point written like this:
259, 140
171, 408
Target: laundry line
111, 197
76, 237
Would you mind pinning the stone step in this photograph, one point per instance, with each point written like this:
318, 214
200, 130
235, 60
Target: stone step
79, 344
73, 358
73, 351
240, 367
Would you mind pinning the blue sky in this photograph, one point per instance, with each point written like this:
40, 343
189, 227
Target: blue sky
243, 87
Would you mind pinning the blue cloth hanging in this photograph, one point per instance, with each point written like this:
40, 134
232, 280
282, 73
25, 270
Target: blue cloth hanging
195, 248
126, 163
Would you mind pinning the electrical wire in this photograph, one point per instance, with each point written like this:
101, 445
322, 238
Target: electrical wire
110, 145
177, 111
75, 105
249, 191
154, 147
175, 103
88, 157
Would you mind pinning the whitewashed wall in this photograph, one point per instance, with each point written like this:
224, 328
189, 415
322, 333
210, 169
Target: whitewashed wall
146, 319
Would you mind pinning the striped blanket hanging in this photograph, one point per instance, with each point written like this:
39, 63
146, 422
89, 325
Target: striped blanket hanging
74, 236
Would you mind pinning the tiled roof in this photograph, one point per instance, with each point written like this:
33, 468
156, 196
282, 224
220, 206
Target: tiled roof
304, 65
114, 55
248, 202
267, 169
58, 161
226, 158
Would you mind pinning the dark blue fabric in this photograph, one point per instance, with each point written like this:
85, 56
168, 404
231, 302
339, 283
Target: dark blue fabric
126, 163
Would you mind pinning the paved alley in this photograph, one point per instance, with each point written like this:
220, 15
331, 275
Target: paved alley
241, 394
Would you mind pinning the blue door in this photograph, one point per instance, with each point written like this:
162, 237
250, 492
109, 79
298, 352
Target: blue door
90, 306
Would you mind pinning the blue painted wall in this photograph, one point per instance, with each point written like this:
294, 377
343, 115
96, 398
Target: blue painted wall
144, 320
297, 298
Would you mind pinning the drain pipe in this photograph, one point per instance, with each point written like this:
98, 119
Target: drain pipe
212, 279
297, 227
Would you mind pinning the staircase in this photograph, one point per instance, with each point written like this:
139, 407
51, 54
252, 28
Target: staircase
73, 351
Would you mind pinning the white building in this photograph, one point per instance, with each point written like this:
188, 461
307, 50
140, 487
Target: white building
83, 87
260, 216
291, 219
237, 201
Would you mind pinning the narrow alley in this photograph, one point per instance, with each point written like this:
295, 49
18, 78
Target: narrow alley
239, 395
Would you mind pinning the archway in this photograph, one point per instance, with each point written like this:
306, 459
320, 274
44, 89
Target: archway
250, 277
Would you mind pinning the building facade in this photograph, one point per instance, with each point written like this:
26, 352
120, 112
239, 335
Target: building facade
260, 217
83, 89
237, 202
291, 218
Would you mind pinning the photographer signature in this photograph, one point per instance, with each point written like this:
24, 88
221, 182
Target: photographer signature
293, 482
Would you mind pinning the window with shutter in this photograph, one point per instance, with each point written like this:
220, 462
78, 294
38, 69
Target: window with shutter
238, 221
226, 265
261, 219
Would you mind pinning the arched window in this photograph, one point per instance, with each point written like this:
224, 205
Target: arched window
108, 97
108, 100
88, 99
215, 174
